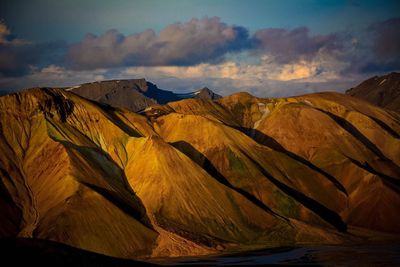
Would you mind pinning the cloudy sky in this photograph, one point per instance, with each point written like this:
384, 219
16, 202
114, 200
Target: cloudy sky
268, 48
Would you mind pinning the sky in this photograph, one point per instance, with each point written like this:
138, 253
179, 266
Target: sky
268, 48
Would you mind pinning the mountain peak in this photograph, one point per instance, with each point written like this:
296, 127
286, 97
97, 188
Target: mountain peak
206, 94
383, 91
135, 94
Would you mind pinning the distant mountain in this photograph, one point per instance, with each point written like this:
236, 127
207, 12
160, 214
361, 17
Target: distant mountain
134, 94
204, 93
382, 91
198, 177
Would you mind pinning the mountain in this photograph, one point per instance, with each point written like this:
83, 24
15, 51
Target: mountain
196, 176
203, 93
343, 139
382, 91
135, 94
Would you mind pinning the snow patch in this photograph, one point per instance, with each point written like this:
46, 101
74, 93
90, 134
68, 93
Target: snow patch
264, 111
384, 80
72, 88
197, 92
307, 102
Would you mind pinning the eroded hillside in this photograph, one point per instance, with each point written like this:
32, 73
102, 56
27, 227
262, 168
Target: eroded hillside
196, 176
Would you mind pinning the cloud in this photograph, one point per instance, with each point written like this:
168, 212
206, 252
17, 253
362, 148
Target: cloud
292, 45
207, 52
205, 40
4, 32
267, 79
385, 54
52, 76
321, 68
19, 57
387, 39
376, 51
179, 44
248, 78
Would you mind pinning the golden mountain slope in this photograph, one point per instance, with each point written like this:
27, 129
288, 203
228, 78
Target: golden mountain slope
354, 144
195, 176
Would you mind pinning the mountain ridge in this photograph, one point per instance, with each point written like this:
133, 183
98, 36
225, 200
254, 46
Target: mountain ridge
383, 91
135, 94
196, 176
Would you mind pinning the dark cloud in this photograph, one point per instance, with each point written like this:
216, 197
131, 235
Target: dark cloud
387, 39
208, 40
179, 44
291, 45
193, 42
378, 51
386, 45
18, 57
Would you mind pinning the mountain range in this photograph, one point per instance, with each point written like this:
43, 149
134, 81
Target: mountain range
135, 94
195, 174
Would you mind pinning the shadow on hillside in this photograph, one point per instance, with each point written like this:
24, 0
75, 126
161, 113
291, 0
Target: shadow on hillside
352, 130
391, 182
122, 197
325, 213
206, 164
110, 113
386, 127
270, 142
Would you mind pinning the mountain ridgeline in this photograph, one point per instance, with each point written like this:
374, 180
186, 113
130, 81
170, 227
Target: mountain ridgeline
195, 176
382, 91
135, 94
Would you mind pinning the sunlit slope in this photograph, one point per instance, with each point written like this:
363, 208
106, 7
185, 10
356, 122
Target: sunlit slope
355, 142
58, 190
195, 176
182, 197
271, 179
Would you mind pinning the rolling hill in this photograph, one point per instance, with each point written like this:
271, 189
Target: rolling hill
196, 176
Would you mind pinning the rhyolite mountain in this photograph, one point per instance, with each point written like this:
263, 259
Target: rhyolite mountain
383, 91
196, 176
134, 94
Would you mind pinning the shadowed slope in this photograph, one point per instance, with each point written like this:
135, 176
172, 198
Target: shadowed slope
382, 91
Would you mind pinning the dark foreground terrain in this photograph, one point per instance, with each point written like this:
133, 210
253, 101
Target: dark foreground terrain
22, 251
343, 256
36, 252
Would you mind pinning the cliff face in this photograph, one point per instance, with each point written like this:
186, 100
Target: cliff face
196, 176
381, 91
